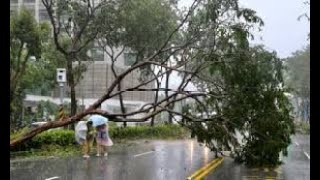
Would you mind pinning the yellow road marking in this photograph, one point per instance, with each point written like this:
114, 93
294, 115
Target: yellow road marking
260, 178
251, 177
255, 169
204, 168
207, 171
270, 178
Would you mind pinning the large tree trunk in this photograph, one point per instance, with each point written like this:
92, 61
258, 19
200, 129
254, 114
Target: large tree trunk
72, 88
123, 110
167, 93
71, 84
156, 98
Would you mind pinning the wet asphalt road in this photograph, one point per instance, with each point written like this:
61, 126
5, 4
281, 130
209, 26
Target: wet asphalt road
155, 160
296, 165
161, 160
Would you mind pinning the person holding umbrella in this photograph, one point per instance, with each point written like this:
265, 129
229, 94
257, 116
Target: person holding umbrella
103, 139
85, 135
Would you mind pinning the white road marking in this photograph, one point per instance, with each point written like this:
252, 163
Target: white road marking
307, 155
56, 177
296, 143
143, 153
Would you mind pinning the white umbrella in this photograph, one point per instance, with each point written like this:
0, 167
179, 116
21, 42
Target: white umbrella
81, 131
98, 120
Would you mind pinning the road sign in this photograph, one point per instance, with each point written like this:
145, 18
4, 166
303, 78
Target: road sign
61, 75
61, 79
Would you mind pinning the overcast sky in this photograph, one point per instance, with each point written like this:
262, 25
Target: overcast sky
282, 31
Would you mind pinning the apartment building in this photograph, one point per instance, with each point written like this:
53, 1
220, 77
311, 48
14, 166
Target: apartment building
34, 6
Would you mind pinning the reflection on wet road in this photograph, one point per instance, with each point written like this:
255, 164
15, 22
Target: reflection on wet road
159, 160
156, 160
296, 166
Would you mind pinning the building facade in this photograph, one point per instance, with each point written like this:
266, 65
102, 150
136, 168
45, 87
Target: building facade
99, 76
34, 6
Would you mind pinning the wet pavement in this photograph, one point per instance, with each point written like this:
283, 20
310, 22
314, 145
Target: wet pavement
154, 160
159, 160
296, 165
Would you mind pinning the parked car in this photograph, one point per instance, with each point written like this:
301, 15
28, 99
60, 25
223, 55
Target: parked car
37, 124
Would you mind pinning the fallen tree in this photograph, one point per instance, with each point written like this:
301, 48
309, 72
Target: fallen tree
239, 88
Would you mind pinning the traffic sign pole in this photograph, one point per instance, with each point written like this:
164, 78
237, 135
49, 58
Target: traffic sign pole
61, 93
61, 79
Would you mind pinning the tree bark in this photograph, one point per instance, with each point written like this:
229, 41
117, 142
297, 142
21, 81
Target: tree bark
123, 110
71, 83
156, 96
167, 93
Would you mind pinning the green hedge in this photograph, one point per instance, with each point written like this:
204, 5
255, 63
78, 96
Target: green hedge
66, 137
147, 132
54, 137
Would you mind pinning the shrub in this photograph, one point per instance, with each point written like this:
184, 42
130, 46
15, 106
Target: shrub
53, 137
147, 132
66, 138
18, 133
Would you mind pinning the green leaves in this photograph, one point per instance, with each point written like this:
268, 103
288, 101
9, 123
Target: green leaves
27, 38
250, 16
253, 101
298, 74
147, 132
147, 24
66, 138
24, 30
298, 80
266, 108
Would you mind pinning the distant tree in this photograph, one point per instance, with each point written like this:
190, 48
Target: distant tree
74, 30
305, 15
298, 79
138, 26
26, 40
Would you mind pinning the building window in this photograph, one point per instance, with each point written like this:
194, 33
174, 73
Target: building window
115, 109
14, 1
12, 12
31, 10
97, 54
43, 15
129, 58
28, 1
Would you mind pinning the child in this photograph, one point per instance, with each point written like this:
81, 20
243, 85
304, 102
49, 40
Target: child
89, 139
103, 140
85, 135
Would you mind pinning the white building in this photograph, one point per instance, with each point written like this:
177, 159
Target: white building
34, 6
